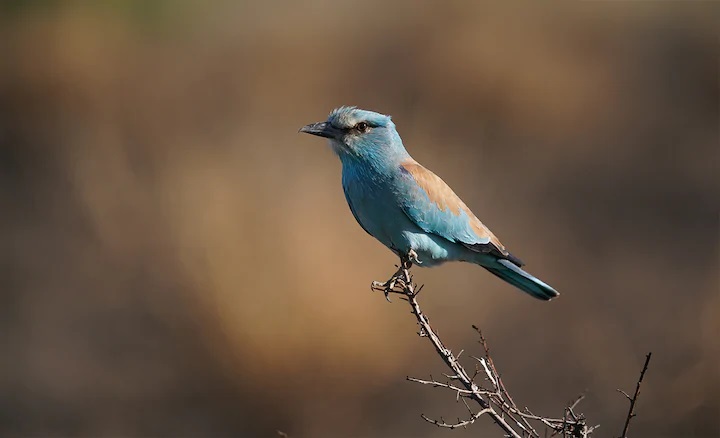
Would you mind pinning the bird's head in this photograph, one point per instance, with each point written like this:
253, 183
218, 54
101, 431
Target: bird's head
358, 133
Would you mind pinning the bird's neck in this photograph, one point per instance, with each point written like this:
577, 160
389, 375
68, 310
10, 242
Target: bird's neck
374, 164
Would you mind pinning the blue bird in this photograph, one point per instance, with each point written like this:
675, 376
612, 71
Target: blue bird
408, 208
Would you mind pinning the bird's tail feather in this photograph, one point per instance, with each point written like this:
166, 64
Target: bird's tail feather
522, 280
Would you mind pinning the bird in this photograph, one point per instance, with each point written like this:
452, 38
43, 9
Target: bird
408, 208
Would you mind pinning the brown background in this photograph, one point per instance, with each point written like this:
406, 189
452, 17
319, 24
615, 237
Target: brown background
178, 262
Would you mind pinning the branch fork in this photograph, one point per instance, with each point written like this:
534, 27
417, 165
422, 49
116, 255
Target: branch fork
495, 401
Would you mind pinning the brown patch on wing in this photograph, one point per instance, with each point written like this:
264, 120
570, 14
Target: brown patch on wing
443, 196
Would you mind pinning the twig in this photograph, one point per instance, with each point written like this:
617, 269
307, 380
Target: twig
634, 398
464, 423
574, 404
401, 283
451, 361
435, 383
496, 402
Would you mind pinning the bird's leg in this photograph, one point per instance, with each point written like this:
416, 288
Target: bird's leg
400, 278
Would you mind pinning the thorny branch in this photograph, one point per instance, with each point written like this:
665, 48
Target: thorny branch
494, 401
631, 412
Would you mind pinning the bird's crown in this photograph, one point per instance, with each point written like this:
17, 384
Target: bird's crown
349, 117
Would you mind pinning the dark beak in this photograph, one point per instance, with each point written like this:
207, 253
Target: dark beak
321, 129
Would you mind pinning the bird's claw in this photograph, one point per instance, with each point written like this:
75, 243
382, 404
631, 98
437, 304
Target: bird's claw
400, 279
385, 288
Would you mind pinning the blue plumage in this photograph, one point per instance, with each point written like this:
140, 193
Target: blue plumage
408, 208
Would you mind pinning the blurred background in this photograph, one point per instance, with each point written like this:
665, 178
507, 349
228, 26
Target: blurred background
177, 261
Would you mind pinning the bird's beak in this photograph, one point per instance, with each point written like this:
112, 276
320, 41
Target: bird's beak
321, 129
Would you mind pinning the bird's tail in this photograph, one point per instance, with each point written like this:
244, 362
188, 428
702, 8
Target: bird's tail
522, 280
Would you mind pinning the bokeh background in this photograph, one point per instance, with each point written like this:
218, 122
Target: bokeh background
177, 261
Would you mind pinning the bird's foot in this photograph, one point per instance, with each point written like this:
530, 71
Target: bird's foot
388, 287
400, 279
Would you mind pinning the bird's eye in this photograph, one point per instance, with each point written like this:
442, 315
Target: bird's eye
362, 126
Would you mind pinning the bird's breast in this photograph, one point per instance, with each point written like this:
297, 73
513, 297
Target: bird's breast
373, 201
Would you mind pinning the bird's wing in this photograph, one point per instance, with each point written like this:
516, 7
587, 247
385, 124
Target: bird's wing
433, 206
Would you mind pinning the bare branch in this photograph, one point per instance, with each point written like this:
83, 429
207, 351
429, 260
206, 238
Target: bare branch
577, 401
634, 398
627, 396
495, 401
401, 283
461, 391
459, 423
